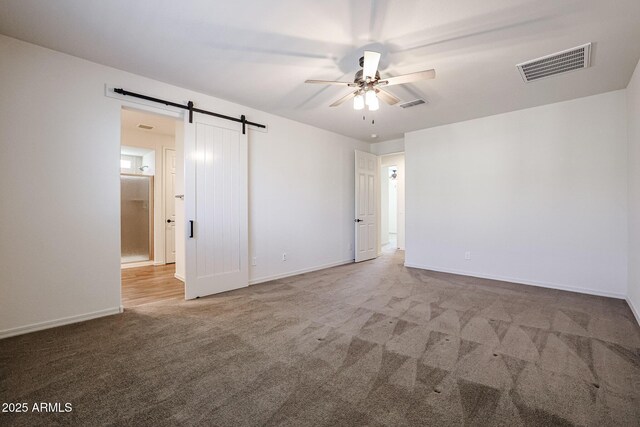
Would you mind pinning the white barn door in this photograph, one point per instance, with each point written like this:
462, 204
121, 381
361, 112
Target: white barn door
216, 206
366, 220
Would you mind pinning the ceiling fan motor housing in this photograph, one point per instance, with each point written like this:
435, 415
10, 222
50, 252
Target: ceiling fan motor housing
359, 79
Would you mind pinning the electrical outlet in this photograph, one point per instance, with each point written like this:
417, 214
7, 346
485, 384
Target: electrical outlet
467, 255
254, 261
284, 256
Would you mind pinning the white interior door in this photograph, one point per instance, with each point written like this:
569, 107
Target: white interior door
169, 205
216, 206
366, 220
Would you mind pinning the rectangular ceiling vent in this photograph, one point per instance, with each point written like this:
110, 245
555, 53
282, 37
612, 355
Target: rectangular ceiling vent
557, 63
412, 103
143, 126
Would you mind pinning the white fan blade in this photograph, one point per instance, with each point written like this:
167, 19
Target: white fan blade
387, 97
331, 82
344, 99
408, 78
371, 60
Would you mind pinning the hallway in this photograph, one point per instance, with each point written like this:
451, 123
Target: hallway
144, 285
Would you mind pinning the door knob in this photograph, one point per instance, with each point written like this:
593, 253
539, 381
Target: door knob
359, 220
170, 221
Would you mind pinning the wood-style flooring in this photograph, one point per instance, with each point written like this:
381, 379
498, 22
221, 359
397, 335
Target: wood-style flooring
144, 285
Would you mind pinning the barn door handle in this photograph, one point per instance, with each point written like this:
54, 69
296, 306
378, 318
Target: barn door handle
191, 229
169, 221
358, 220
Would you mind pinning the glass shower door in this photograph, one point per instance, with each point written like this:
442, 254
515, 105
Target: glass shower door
136, 218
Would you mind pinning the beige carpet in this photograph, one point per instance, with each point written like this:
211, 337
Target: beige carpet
368, 344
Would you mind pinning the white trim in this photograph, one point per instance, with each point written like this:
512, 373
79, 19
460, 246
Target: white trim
179, 277
157, 107
302, 271
141, 104
378, 205
164, 201
520, 281
132, 103
59, 322
395, 153
137, 264
634, 310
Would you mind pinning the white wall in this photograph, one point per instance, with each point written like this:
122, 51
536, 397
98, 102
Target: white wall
149, 160
537, 196
633, 110
155, 160
301, 198
388, 147
60, 250
179, 189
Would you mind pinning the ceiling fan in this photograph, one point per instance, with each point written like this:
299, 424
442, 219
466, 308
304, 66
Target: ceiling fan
369, 85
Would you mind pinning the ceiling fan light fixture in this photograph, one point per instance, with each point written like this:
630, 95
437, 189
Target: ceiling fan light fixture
373, 104
370, 97
358, 102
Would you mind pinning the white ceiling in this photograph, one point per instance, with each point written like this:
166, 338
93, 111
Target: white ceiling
130, 119
258, 53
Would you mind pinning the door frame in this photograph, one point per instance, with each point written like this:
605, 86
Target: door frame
164, 199
379, 197
145, 107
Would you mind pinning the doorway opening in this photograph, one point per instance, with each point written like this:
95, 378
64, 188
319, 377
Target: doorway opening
392, 174
148, 208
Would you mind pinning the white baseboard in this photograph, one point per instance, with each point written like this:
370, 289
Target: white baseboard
136, 264
296, 272
634, 310
520, 281
58, 322
179, 277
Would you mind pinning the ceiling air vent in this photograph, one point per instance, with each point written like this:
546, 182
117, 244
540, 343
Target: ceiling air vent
146, 127
412, 103
556, 63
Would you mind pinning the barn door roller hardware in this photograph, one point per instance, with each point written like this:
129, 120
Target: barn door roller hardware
189, 107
